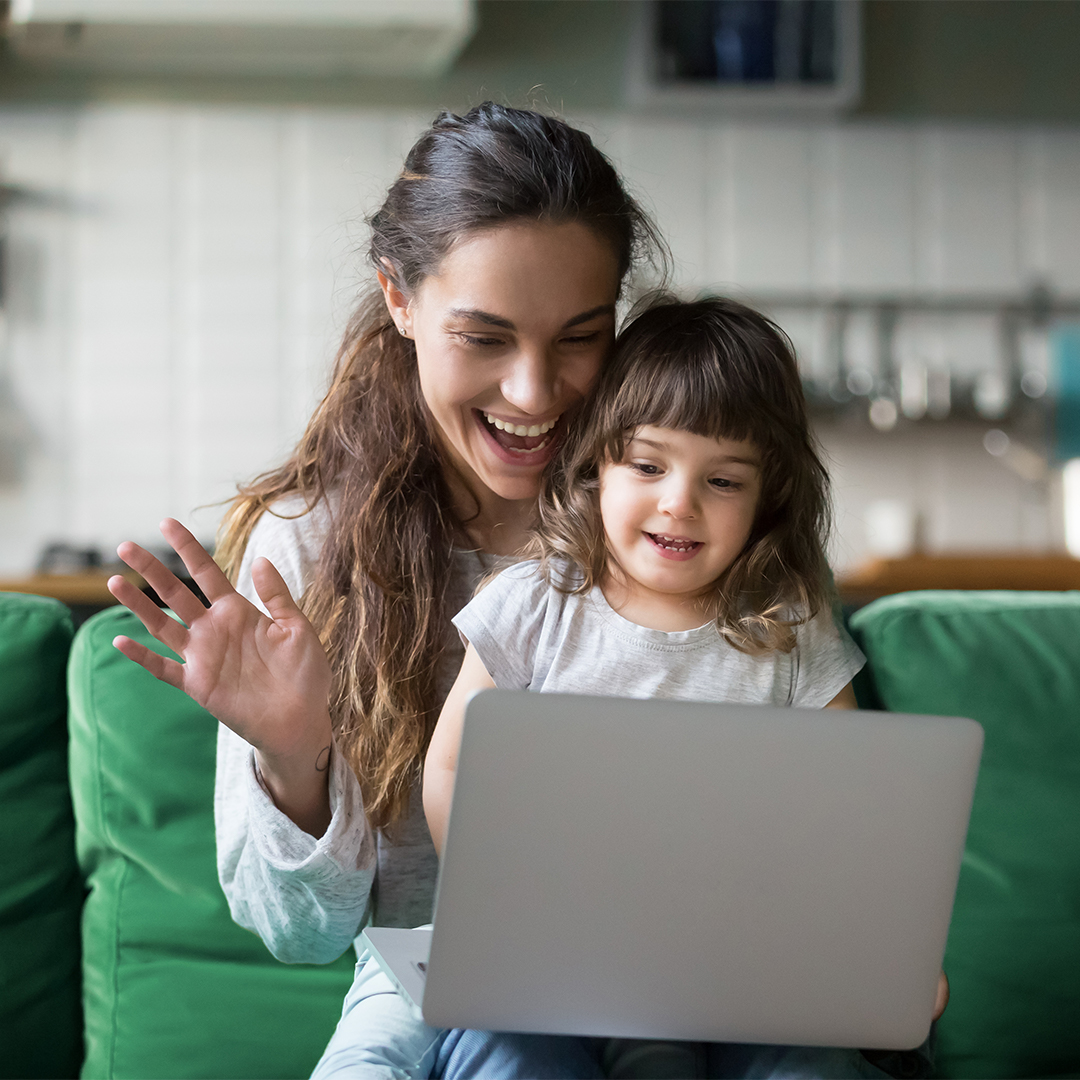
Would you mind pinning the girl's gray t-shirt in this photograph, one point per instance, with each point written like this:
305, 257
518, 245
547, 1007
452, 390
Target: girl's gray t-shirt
309, 898
532, 636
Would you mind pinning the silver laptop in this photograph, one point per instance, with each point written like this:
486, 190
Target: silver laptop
680, 870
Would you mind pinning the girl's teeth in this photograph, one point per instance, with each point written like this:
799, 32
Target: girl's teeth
672, 544
520, 429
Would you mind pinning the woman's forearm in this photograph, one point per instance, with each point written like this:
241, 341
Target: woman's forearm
300, 789
305, 897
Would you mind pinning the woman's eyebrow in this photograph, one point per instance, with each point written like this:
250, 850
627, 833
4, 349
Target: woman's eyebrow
586, 316
476, 315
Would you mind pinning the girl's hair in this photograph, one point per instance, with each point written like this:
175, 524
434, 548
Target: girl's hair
378, 598
720, 369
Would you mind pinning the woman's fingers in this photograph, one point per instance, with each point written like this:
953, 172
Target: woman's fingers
201, 566
160, 667
168, 631
273, 591
162, 580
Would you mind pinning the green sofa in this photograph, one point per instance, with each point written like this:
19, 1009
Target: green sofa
118, 957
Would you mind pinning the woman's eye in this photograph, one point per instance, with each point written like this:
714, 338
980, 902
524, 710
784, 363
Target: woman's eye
481, 341
582, 339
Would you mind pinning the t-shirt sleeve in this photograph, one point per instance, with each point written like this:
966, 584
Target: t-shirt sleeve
827, 660
305, 897
504, 622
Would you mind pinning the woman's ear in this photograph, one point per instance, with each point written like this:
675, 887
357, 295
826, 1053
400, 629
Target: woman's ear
397, 301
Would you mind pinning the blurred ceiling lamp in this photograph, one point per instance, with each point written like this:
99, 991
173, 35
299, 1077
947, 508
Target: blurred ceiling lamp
312, 38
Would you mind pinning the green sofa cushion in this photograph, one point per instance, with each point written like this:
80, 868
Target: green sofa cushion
172, 987
40, 889
1012, 662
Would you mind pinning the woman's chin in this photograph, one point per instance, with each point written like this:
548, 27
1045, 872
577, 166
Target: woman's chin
516, 488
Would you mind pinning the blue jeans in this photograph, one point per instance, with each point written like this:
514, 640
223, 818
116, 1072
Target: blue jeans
379, 1037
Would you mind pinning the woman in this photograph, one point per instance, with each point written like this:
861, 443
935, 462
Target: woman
500, 253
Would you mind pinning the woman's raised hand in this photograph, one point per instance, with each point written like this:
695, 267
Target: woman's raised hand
266, 678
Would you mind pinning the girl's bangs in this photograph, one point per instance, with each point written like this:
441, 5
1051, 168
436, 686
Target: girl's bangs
683, 396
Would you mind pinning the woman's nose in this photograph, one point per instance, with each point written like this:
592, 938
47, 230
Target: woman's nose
530, 383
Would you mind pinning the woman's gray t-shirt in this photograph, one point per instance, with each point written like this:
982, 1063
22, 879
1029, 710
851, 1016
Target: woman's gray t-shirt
308, 898
532, 636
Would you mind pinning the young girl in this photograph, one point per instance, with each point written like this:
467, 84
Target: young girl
679, 554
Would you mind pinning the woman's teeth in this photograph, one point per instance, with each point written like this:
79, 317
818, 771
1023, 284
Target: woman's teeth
520, 429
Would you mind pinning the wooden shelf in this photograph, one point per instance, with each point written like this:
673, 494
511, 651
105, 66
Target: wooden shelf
88, 590
1005, 570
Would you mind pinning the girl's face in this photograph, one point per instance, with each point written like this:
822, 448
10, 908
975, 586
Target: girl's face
510, 336
677, 511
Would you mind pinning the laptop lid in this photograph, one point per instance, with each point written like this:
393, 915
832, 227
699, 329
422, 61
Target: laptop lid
666, 869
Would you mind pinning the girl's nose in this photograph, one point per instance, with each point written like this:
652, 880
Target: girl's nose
530, 383
677, 499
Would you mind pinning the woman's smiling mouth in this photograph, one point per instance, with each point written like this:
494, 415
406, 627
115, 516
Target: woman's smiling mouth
524, 444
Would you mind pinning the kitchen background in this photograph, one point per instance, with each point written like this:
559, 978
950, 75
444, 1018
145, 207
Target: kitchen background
181, 254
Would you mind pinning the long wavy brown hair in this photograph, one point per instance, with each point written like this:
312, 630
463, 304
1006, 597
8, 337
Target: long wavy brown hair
379, 594
716, 368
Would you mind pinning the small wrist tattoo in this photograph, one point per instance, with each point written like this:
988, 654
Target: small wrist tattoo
322, 762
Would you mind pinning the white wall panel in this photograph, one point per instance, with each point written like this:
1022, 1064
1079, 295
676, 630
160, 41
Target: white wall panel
120, 335
968, 228
1061, 195
664, 165
770, 170
173, 327
869, 234
720, 208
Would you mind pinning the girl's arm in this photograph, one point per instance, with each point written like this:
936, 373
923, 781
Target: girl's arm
845, 699
440, 765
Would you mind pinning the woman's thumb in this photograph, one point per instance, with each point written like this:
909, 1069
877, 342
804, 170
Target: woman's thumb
273, 591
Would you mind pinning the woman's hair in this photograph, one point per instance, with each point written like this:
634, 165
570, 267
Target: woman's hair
378, 598
720, 369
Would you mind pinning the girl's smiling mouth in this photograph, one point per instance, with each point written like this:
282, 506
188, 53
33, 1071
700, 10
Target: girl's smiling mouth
678, 548
519, 444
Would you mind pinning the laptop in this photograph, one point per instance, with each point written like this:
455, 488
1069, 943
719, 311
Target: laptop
698, 871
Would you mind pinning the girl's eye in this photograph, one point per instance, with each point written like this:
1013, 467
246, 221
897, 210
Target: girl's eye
724, 484
645, 468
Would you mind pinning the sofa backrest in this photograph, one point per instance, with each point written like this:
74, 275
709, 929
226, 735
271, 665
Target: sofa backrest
172, 986
40, 889
1011, 661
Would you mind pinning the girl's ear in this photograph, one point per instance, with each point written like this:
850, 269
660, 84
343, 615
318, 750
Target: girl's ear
397, 300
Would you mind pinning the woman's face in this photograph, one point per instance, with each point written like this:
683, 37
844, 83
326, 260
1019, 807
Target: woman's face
510, 335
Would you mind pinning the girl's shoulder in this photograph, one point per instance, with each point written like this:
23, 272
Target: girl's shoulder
529, 588
558, 574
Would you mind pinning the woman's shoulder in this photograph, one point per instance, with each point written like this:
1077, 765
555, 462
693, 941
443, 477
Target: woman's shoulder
290, 533
292, 520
